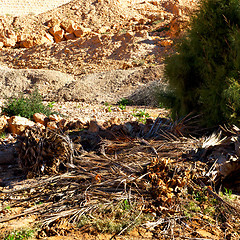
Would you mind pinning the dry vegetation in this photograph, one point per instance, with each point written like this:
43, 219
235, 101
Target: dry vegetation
150, 178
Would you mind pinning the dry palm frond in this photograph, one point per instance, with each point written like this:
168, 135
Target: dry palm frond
213, 140
44, 151
160, 175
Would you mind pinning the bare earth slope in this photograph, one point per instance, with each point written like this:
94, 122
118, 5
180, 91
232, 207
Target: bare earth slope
124, 34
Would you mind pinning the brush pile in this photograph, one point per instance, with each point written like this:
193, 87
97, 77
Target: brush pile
167, 183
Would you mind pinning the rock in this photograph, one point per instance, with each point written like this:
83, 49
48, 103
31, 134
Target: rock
55, 118
9, 42
17, 124
3, 123
52, 125
57, 33
44, 39
49, 37
28, 43
103, 30
70, 36
40, 118
79, 32
53, 22
22, 37
69, 26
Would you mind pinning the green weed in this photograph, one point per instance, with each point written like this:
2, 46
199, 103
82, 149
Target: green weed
123, 103
109, 106
23, 234
26, 106
3, 135
51, 104
141, 115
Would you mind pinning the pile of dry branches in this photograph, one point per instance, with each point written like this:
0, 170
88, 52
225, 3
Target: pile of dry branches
171, 177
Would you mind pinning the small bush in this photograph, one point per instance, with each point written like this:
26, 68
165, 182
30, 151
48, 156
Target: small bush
20, 235
26, 106
203, 74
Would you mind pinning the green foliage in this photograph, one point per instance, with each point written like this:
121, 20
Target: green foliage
123, 103
51, 104
227, 194
203, 74
26, 106
141, 115
20, 235
3, 135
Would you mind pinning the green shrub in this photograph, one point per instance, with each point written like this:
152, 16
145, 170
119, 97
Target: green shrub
26, 106
203, 74
23, 234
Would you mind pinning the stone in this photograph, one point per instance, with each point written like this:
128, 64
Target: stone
9, 42
103, 29
3, 123
55, 118
40, 118
28, 43
69, 26
49, 37
44, 39
79, 32
17, 124
57, 33
52, 125
70, 36
53, 22
22, 37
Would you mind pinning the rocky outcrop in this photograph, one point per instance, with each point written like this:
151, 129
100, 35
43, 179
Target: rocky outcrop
57, 33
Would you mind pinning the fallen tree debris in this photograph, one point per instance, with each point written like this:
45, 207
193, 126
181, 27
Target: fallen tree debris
167, 185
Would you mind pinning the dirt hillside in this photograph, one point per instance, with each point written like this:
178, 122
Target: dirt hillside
121, 35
